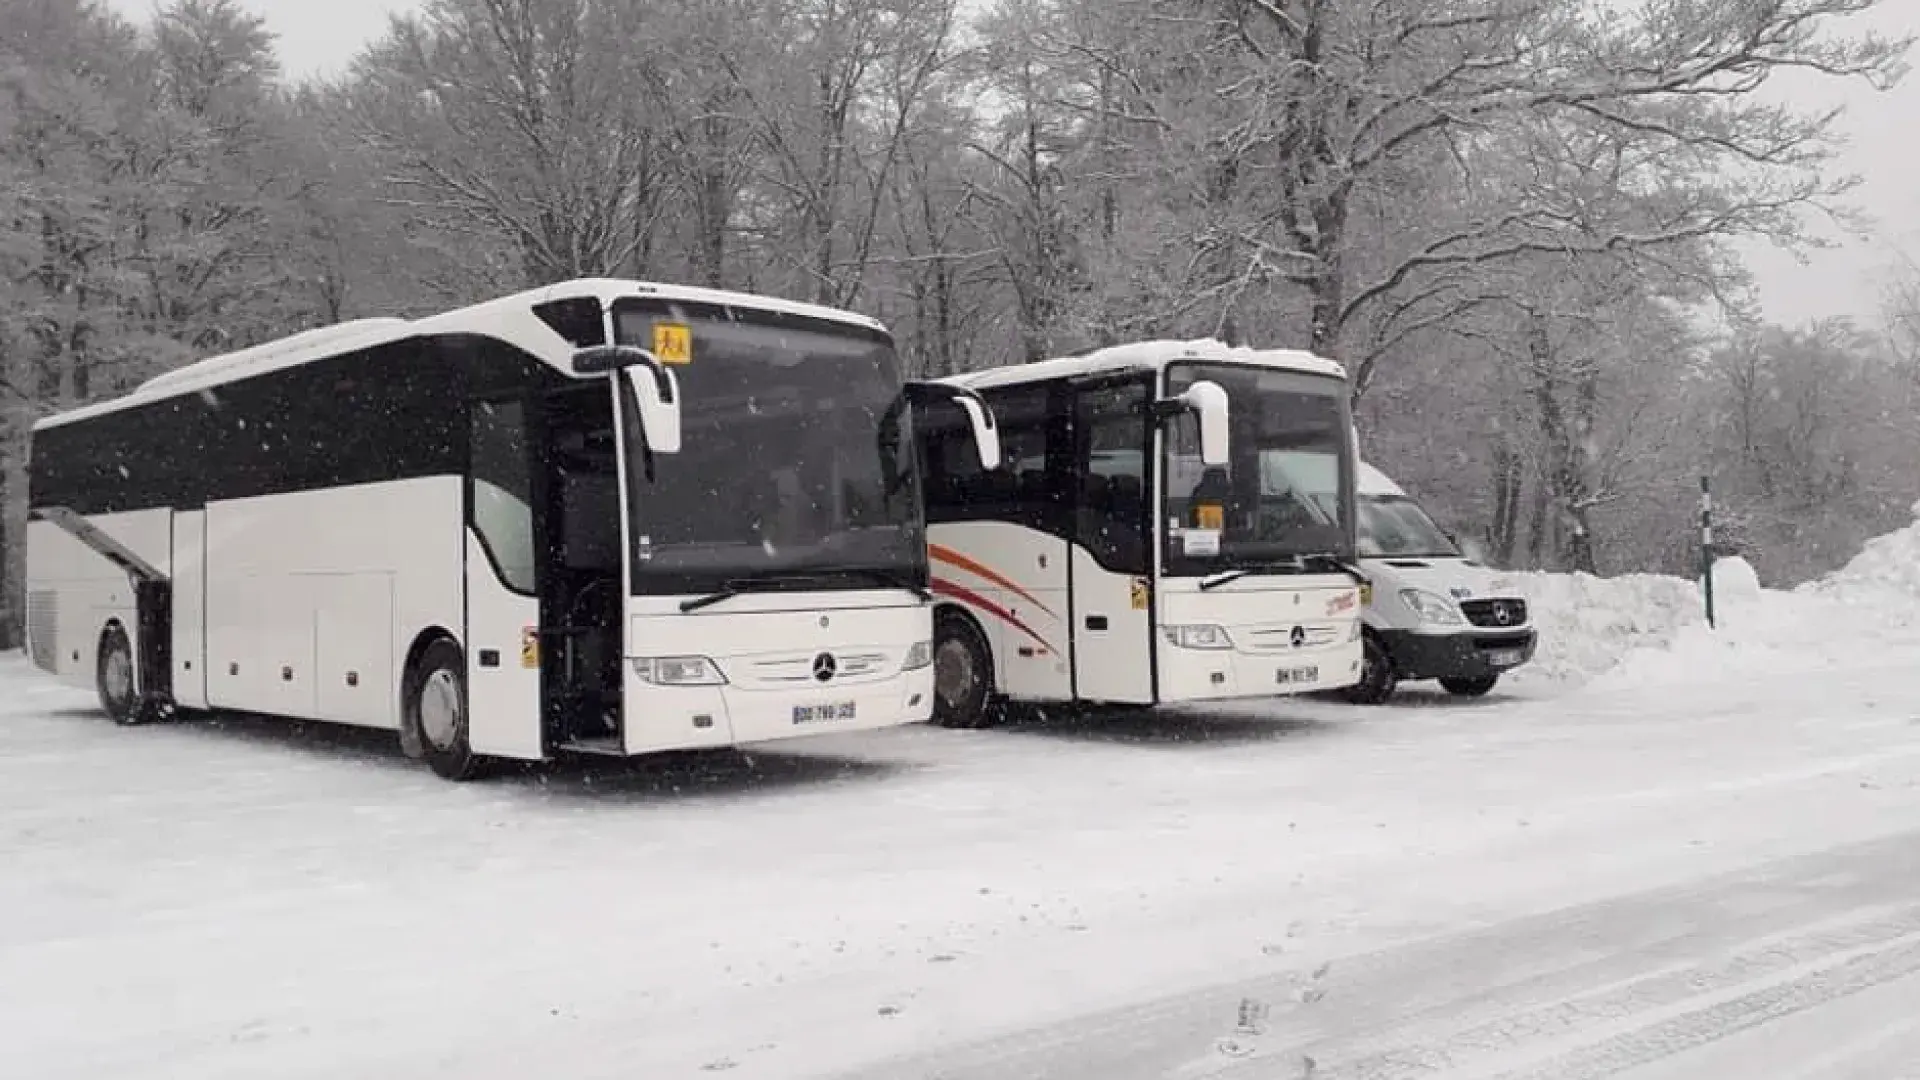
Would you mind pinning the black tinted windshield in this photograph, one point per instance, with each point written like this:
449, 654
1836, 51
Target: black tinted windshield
795, 456
1394, 526
1281, 495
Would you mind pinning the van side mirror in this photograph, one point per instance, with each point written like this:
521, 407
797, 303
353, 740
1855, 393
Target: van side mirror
986, 433
654, 387
1207, 401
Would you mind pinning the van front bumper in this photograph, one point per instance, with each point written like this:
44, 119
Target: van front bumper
1457, 656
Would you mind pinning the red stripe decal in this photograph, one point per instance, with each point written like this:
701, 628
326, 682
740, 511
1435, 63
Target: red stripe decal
946, 588
941, 553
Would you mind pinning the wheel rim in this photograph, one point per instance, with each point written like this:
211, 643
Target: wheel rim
440, 709
954, 676
116, 674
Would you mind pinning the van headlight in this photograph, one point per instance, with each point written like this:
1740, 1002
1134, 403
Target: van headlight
919, 655
1432, 607
1198, 636
678, 671
1355, 632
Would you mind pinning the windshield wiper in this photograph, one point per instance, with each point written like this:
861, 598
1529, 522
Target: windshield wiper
892, 579
1293, 564
756, 583
781, 582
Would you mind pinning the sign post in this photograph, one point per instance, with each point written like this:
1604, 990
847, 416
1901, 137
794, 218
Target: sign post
1706, 546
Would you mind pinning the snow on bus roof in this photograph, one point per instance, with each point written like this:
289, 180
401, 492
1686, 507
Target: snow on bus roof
508, 318
1147, 355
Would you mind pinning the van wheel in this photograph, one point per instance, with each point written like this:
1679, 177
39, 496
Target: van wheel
962, 675
1377, 680
436, 704
1469, 687
113, 678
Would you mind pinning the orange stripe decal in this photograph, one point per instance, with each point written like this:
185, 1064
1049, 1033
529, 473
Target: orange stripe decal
953, 558
967, 596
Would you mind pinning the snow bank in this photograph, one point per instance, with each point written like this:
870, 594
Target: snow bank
1882, 583
1588, 624
1644, 629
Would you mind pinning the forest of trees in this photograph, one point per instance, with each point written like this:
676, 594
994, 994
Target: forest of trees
1513, 220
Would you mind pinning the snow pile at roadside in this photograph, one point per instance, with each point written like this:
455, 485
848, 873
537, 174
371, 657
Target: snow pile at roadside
1882, 583
1641, 630
1588, 624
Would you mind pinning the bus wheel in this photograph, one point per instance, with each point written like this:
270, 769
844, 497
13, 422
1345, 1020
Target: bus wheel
113, 677
962, 675
1377, 681
436, 703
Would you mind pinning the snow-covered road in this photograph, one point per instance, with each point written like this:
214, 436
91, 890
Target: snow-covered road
1553, 886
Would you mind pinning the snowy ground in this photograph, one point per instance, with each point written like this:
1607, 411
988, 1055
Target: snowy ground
1690, 859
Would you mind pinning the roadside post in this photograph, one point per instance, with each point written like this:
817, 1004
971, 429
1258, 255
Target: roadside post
1706, 545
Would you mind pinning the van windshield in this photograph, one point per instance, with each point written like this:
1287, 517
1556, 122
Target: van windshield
1394, 526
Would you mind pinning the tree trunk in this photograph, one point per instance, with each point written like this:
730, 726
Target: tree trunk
1503, 534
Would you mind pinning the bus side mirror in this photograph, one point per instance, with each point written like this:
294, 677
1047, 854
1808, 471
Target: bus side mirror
1207, 401
658, 393
986, 433
653, 384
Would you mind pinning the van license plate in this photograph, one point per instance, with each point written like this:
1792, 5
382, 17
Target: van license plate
1290, 675
1505, 657
820, 714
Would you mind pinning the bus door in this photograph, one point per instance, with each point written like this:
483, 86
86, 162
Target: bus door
503, 606
1112, 559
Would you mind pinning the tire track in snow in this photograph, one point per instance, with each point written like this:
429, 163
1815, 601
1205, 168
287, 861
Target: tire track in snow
1651, 1018
1486, 995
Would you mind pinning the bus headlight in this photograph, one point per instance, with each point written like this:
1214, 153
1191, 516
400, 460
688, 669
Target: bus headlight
919, 655
1198, 636
678, 671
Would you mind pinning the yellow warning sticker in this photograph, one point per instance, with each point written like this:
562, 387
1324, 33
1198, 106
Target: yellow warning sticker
673, 343
529, 647
1138, 587
1209, 515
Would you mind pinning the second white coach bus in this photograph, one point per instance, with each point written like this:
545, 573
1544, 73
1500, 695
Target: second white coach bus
604, 516
1172, 522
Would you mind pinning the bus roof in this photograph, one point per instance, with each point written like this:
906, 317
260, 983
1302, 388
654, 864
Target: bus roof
508, 318
1147, 356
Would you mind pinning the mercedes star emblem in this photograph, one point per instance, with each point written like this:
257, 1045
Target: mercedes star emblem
824, 667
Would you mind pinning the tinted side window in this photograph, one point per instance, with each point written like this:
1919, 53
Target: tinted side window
1029, 487
1110, 505
500, 490
949, 460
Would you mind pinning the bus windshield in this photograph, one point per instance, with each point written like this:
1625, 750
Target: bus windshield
795, 458
1281, 495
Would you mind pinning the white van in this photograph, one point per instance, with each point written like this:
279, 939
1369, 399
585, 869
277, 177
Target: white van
1430, 612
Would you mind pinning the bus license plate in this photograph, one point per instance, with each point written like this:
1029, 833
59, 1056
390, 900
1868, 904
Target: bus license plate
1290, 675
1504, 657
820, 714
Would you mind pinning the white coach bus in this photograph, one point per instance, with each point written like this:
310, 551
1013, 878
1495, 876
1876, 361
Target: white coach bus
601, 516
1155, 534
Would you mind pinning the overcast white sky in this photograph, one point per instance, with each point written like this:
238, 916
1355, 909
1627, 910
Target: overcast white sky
319, 37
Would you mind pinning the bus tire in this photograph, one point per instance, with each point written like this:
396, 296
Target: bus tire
436, 710
1377, 680
962, 674
113, 677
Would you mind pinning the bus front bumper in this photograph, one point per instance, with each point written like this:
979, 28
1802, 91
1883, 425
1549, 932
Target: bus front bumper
1214, 674
695, 717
